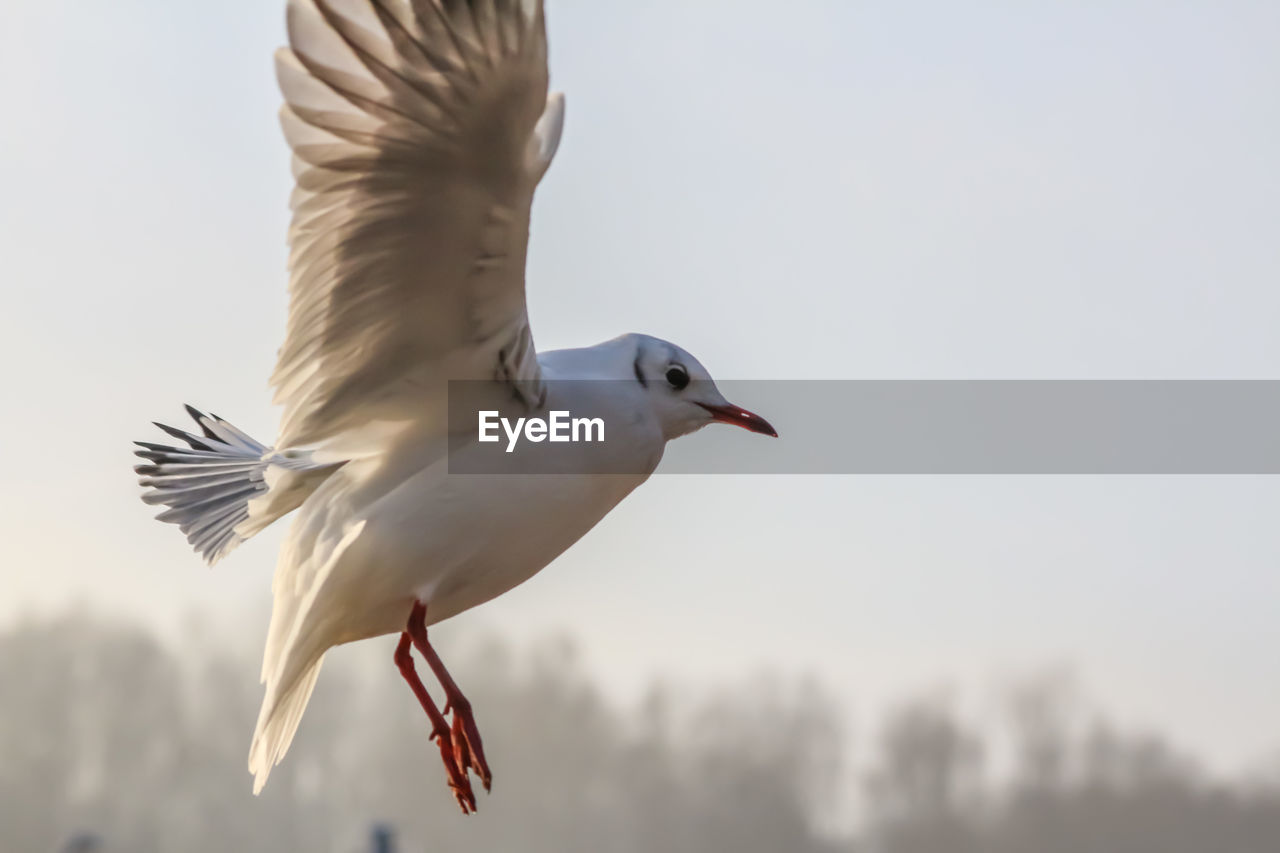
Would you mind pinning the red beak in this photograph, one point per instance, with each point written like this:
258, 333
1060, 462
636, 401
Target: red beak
731, 414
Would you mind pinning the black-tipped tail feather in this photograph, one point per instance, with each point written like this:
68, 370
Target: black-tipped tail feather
206, 485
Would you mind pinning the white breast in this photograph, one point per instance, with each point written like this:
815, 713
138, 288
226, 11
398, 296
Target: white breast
455, 541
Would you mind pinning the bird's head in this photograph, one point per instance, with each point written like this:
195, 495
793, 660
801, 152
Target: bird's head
683, 394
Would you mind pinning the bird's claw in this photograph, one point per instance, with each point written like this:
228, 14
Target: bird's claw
461, 750
458, 781
467, 746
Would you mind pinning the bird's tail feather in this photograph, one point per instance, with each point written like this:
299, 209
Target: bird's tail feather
206, 485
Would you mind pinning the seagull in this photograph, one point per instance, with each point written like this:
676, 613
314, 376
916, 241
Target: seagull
419, 131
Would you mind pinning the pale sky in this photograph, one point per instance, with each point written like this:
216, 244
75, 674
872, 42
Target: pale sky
814, 190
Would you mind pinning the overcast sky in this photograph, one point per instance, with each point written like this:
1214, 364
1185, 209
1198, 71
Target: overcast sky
808, 190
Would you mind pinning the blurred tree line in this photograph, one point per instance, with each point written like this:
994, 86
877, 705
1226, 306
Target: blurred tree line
112, 741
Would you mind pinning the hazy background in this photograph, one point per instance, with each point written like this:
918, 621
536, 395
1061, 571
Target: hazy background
822, 190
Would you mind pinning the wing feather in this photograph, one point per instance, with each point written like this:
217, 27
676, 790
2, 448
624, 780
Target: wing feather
418, 134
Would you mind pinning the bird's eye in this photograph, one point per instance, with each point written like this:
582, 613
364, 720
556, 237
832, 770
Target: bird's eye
677, 376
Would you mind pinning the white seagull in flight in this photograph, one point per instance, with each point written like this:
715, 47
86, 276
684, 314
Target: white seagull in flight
419, 130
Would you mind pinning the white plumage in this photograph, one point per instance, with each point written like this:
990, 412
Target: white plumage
420, 129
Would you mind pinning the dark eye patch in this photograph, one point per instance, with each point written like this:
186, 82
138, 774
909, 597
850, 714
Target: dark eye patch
678, 377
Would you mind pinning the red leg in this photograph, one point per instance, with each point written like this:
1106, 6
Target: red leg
439, 727
466, 737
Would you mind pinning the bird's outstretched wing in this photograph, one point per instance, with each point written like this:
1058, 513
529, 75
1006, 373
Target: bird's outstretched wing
419, 130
